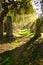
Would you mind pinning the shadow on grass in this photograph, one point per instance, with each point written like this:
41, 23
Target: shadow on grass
27, 54
6, 39
9, 39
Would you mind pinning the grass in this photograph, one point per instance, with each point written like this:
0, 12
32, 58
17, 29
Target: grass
25, 54
23, 49
22, 32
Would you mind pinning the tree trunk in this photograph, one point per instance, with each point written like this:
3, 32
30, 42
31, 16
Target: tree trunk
1, 23
1, 28
9, 26
38, 27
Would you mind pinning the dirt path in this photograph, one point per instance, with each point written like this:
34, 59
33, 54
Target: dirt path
30, 52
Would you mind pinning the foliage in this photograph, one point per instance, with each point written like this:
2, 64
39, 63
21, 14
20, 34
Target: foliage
27, 5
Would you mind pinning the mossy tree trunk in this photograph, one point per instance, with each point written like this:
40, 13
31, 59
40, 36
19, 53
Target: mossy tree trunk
38, 21
9, 26
2, 15
1, 28
1, 22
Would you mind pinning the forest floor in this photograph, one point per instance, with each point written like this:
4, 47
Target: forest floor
22, 51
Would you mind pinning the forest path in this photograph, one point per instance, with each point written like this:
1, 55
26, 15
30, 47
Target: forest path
30, 52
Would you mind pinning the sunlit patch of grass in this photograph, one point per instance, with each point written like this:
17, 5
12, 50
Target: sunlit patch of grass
18, 42
41, 62
23, 33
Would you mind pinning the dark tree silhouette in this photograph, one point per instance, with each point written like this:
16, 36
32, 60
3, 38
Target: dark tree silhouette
5, 10
2, 15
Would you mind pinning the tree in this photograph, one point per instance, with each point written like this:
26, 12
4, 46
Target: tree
2, 15
38, 22
5, 5
1, 23
14, 5
9, 26
39, 10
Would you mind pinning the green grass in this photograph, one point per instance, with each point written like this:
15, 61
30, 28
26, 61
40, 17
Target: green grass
30, 54
22, 52
23, 33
